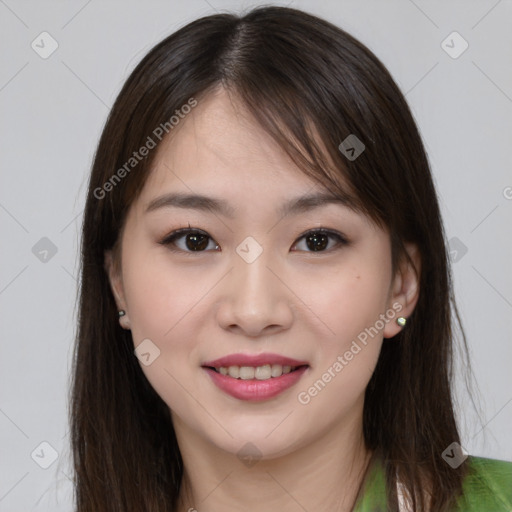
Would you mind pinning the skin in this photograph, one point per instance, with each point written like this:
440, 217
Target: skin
198, 306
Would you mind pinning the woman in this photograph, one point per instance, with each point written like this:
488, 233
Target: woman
265, 314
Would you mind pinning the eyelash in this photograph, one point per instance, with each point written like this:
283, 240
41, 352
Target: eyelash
171, 238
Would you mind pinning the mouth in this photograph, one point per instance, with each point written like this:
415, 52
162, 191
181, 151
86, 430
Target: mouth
264, 372
255, 378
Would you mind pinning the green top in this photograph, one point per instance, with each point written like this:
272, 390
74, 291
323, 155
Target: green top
486, 488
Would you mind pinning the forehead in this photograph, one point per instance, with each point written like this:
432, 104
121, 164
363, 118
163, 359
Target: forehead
220, 148
220, 143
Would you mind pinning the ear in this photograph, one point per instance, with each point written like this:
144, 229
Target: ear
405, 290
116, 285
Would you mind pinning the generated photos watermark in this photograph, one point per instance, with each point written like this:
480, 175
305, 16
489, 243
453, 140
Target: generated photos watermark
305, 397
137, 156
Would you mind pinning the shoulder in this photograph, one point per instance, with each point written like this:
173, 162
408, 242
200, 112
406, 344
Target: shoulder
487, 486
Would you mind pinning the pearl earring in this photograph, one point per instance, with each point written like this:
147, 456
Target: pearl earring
401, 321
121, 313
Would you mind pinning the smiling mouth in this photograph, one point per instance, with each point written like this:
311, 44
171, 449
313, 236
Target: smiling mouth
264, 372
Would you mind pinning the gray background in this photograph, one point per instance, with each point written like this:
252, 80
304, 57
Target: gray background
52, 113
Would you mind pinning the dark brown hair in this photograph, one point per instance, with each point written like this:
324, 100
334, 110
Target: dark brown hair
310, 85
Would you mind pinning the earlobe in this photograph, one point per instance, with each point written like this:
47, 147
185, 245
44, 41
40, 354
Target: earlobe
405, 290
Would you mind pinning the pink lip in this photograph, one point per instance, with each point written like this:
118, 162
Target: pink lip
256, 360
254, 390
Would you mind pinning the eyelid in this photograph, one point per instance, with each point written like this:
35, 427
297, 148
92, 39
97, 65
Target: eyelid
341, 238
325, 231
182, 231
177, 233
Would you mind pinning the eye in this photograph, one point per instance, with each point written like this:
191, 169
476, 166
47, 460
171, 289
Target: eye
189, 240
317, 240
195, 240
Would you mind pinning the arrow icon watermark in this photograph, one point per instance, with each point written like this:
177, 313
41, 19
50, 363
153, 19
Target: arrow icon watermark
147, 352
352, 147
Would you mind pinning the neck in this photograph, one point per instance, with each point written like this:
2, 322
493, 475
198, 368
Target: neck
323, 476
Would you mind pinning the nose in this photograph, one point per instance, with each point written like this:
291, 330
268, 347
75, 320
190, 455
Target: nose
254, 301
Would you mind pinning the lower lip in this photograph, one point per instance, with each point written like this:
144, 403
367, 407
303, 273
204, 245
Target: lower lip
254, 390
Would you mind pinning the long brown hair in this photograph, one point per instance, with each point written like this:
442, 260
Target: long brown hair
305, 81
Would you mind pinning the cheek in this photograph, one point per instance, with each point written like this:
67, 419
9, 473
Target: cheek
159, 295
349, 299
346, 359
350, 303
167, 304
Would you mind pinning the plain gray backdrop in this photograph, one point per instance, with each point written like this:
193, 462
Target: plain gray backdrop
54, 105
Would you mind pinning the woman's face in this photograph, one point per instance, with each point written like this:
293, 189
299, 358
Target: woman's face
255, 297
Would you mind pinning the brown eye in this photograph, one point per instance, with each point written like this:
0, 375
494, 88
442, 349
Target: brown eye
195, 241
318, 240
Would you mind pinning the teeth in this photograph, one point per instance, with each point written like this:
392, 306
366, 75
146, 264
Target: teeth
264, 372
246, 372
234, 371
277, 370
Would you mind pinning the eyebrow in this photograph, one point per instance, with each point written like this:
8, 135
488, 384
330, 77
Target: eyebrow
207, 203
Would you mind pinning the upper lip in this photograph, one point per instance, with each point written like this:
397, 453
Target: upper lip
253, 360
